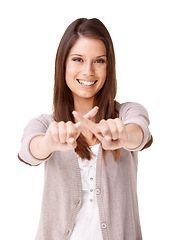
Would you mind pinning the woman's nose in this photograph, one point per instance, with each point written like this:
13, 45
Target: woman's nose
88, 69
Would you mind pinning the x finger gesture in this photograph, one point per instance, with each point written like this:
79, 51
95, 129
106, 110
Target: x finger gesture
111, 133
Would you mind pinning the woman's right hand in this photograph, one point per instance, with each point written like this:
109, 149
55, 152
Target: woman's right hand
60, 136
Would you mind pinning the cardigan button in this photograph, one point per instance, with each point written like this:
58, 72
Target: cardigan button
103, 225
98, 191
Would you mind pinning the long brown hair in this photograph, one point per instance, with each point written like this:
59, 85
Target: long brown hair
63, 103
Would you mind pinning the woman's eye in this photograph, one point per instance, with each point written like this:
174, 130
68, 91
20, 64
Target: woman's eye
77, 59
100, 61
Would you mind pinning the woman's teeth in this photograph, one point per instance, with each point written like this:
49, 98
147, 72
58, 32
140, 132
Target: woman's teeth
86, 83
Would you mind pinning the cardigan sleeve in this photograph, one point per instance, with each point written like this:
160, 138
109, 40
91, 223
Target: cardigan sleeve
35, 127
131, 112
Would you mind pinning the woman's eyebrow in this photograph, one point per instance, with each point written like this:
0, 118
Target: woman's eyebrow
76, 54
101, 56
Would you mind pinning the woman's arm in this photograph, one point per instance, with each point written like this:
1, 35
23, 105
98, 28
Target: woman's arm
113, 133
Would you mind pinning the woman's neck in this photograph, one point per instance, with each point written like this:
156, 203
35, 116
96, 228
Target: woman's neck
83, 106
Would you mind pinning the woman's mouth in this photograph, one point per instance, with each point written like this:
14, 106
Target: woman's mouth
86, 83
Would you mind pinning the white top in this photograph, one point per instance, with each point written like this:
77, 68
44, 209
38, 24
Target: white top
87, 224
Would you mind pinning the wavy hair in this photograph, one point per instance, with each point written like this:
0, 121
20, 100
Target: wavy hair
63, 102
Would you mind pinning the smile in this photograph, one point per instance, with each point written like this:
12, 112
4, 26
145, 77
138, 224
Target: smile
86, 83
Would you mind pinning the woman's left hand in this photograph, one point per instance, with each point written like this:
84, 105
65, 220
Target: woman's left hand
111, 133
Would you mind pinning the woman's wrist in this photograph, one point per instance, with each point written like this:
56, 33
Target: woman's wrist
39, 148
135, 136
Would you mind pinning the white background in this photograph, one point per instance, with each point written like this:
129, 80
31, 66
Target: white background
144, 39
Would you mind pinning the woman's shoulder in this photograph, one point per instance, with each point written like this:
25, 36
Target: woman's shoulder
47, 117
130, 108
43, 119
121, 106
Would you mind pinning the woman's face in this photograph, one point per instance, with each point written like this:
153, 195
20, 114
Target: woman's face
86, 68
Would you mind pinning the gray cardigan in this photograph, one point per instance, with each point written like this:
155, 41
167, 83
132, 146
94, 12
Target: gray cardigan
116, 183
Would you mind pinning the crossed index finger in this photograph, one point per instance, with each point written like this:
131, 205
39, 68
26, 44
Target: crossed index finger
88, 124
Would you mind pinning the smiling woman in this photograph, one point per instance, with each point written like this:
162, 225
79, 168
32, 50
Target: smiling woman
89, 45
89, 144
86, 70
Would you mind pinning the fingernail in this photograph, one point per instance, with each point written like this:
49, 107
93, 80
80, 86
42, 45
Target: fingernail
71, 140
96, 107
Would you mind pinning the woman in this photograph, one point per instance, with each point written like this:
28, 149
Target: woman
89, 144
